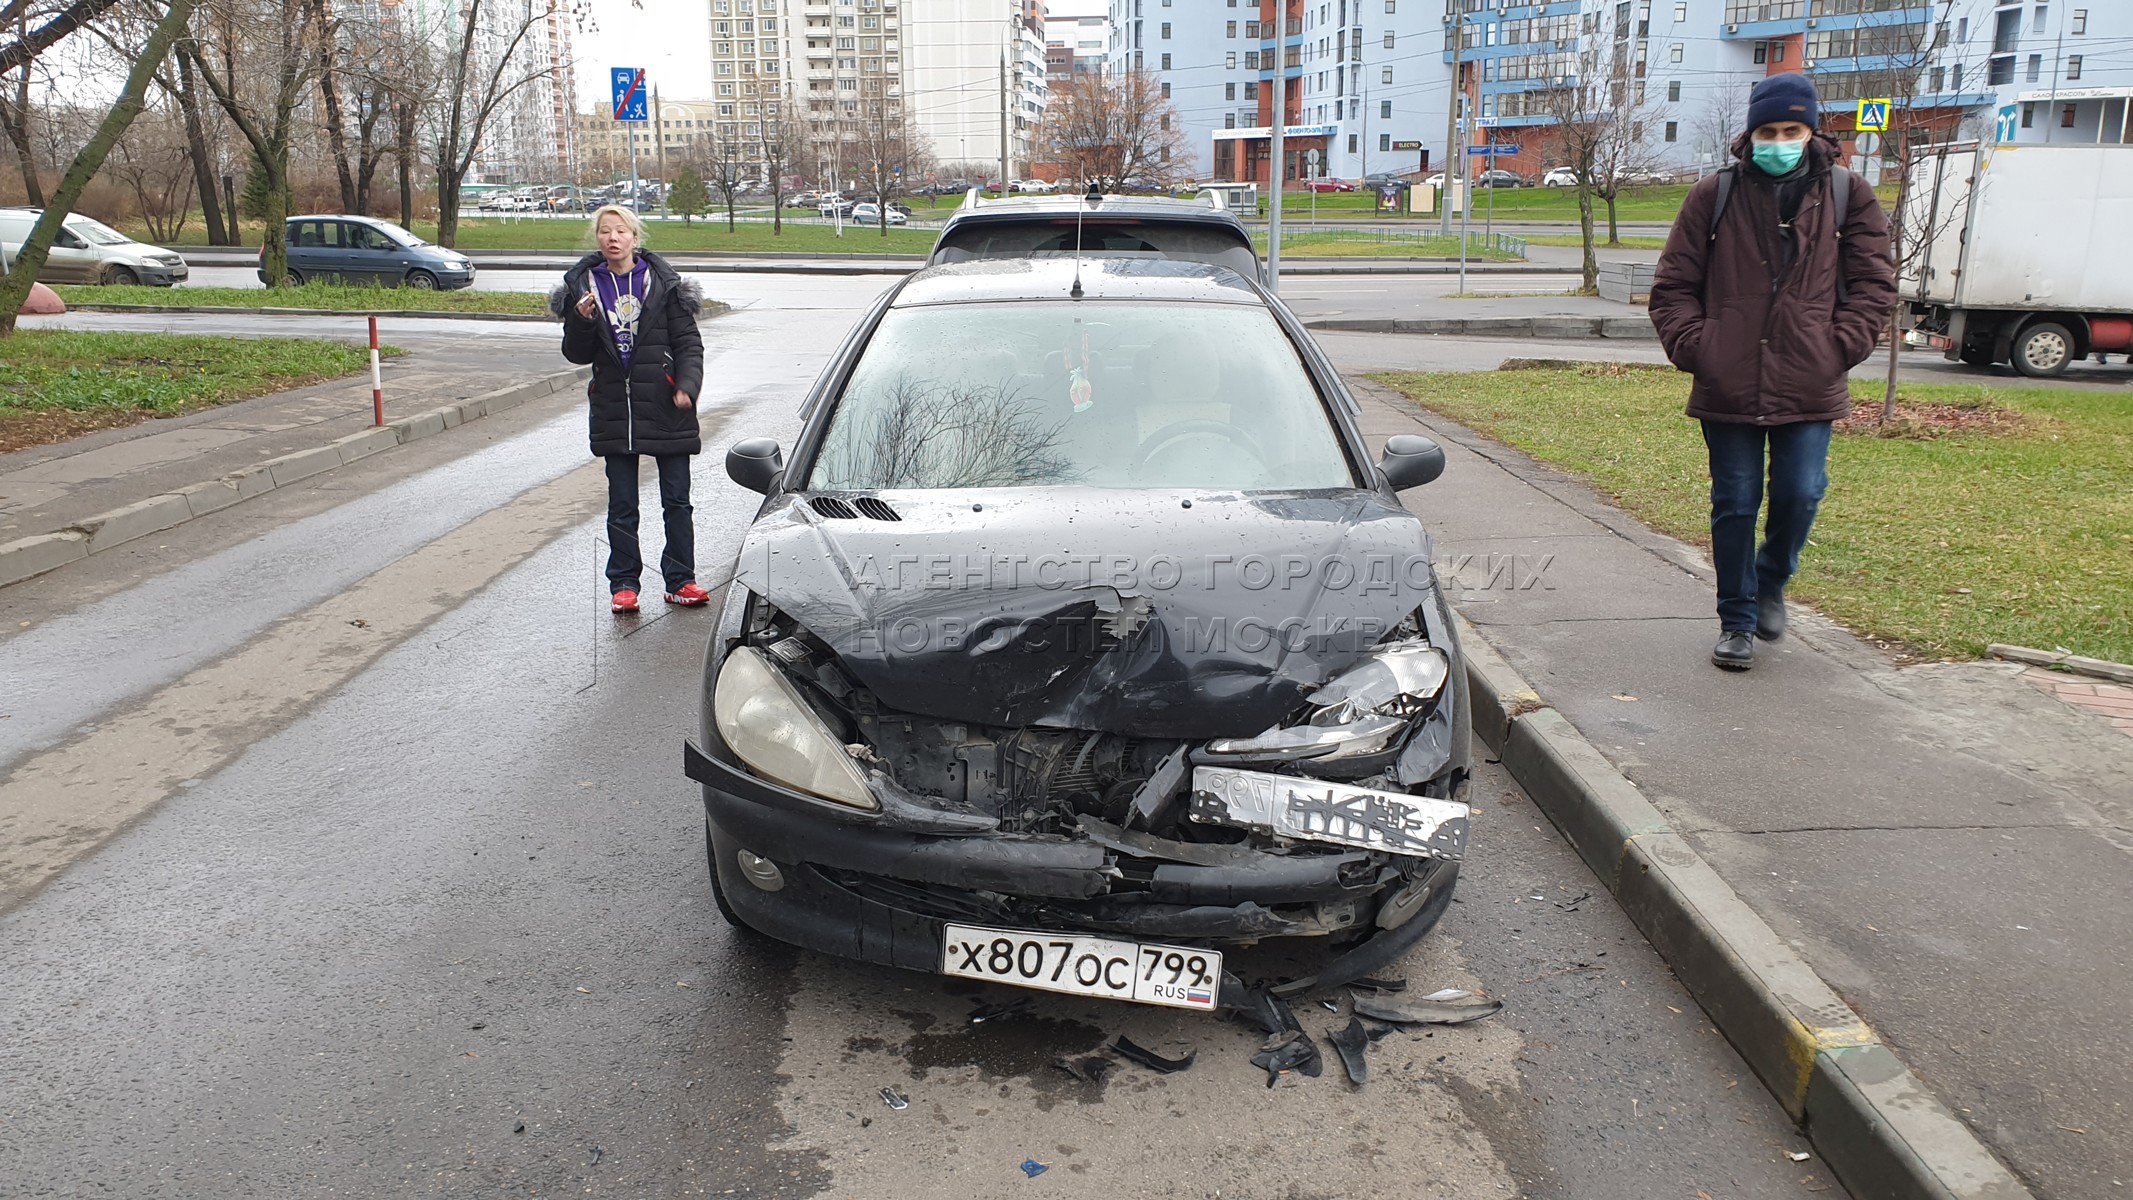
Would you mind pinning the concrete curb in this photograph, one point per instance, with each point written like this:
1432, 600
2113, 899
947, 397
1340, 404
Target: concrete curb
2063, 660
1873, 1122
1628, 329
27, 557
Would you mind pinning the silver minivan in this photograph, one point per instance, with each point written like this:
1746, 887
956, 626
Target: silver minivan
89, 251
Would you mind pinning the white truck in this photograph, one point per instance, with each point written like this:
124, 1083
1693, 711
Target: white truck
2026, 254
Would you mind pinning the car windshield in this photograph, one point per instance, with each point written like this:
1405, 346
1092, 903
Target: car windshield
397, 234
96, 233
1119, 394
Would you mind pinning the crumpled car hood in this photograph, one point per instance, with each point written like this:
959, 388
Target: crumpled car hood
1154, 614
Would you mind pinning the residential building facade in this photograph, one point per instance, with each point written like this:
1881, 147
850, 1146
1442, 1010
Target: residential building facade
977, 75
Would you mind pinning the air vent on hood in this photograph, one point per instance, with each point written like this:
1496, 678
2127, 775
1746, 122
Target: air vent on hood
876, 507
831, 506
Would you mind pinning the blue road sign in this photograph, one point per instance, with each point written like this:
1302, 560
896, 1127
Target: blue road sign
1873, 116
1499, 151
629, 94
2010, 124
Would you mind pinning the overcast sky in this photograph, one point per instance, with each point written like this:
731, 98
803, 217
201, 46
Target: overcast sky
668, 39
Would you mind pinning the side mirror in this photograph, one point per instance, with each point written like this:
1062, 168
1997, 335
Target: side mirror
754, 463
1411, 460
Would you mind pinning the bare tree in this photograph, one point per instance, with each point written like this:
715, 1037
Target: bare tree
1719, 120
783, 146
1111, 128
473, 92
154, 163
726, 158
352, 68
15, 286
890, 150
260, 98
1625, 155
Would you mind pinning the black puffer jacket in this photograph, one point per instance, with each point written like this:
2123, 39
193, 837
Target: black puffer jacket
637, 415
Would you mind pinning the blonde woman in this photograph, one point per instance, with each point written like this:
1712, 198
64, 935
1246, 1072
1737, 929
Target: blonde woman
631, 316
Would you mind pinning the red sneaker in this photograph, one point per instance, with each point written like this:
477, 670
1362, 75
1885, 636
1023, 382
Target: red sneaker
625, 602
690, 594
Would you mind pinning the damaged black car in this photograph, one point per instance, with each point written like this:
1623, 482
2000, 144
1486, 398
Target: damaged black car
1081, 644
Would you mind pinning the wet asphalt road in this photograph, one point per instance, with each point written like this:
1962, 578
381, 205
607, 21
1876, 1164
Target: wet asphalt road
416, 905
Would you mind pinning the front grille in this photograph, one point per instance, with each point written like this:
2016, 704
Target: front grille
925, 899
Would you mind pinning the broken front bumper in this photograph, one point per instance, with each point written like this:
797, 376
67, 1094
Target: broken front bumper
848, 887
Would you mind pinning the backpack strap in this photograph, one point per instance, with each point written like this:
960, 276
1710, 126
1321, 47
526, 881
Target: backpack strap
1840, 191
1725, 193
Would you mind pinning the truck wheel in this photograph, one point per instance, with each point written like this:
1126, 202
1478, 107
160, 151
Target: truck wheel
2043, 350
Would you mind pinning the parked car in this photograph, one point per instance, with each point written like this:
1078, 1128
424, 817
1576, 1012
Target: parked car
1559, 177
1385, 179
1034, 186
366, 250
1330, 185
808, 199
1022, 227
1435, 181
1500, 178
870, 214
88, 251
833, 205
1103, 780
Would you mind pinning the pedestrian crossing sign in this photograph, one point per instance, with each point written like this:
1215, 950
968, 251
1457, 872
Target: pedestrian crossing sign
1873, 116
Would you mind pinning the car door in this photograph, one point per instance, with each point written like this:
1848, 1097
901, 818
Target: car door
371, 257
71, 259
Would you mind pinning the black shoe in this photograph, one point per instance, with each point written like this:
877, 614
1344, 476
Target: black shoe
1770, 617
1735, 650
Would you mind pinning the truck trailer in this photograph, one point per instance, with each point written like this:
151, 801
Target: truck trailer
2025, 253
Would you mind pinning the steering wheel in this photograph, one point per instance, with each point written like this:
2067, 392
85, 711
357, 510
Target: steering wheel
1155, 443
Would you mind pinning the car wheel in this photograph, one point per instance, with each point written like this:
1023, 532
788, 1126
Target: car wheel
118, 276
422, 281
292, 278
2043, 350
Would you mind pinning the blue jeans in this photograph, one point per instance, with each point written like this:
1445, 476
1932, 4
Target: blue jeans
624, 561
1799, 459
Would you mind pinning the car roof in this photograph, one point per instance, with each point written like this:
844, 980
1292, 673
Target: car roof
1113, 207
1053, 277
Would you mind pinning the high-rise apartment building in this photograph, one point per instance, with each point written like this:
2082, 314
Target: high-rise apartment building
977, 77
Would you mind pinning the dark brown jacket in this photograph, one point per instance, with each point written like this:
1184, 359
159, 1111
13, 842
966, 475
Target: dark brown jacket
1770, 345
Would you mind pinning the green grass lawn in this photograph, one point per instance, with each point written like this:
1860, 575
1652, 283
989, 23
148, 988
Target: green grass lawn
319, 296
55, 384
1599, 242
1660, 202
2019, 530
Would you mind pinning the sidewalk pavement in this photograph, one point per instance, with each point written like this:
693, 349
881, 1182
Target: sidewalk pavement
61, 502
1945, 844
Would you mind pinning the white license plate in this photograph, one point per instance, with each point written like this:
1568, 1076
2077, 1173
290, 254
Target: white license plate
1080, 965
1318, 811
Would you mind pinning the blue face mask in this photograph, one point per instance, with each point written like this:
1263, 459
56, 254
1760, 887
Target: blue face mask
1778, 158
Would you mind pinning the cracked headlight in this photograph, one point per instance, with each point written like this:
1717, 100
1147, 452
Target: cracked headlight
1401, 676
766, 721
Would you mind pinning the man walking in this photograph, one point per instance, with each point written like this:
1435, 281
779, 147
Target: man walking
1775, 282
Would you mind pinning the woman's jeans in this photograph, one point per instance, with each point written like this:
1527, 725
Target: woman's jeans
1799, 457
624, 561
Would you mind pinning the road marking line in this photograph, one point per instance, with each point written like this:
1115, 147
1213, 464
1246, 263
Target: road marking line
59, 805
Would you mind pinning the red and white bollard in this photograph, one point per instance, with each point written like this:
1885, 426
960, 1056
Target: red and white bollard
377, 381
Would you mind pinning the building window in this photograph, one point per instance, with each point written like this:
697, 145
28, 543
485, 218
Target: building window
2066, 117
2037, 26
1166, 89
2036, 67
1166, 62
1937, 80
1673, 91
1166, 31
1388, 39
1387, 78
1229, 61
1230, 30
1251, 60
2080, 23
1229, 120
2073, 67
1777, 52
2029, 115
1385, 110
1389, 5
1251, 89
1955, 78
1384, 141
1229, 91
1681, 11
1675, 53
1673, 130
1762, 52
